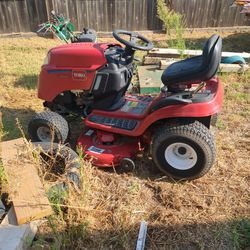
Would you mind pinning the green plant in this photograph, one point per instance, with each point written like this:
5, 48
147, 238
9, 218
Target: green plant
56, 196
3, 177
241, 234
173, 24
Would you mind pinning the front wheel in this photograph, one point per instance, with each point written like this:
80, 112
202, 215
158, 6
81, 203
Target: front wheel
185, 151
48, 126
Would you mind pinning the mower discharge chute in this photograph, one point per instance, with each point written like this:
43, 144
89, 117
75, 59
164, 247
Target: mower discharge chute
92, 79
63, 29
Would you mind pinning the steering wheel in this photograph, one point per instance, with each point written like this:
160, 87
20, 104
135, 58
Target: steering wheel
132, 43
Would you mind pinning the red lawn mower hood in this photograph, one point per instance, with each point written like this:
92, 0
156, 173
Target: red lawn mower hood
79, 55
71, 67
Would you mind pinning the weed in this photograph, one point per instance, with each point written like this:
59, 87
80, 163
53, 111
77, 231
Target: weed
74, 234
220, 123
57, 194
173, 24
241, 233
134, 188
236, 85
3, 177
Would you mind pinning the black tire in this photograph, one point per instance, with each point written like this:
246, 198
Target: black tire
48, 125
71, 161
189, 146
127, 165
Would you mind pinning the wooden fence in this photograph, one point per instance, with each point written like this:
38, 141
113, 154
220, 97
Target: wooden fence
105, 15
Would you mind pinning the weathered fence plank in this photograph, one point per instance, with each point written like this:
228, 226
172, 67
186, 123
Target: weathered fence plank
209, 13
106, 15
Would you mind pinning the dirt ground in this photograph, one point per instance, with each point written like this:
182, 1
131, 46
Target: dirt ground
209, 213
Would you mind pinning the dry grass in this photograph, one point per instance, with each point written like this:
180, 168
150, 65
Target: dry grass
210, 213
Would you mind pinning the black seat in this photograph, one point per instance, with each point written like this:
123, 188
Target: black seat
198, 68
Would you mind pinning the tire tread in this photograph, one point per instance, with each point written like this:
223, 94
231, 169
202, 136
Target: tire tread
54, 120
193, 130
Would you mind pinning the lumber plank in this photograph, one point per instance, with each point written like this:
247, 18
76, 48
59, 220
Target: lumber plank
26, 190
175, 53
224, 67
233, 68
165, 64
151, 60
157, 60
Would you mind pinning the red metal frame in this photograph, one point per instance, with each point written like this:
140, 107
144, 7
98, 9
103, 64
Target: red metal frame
202, 109
74, 66
112, 155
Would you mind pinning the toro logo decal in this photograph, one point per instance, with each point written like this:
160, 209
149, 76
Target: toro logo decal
79, 75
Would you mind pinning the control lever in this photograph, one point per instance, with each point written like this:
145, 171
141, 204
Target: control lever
199, 87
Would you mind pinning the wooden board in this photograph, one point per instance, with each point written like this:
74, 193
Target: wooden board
165, 64
224, 67
26, 190
233, 68
152, 60
175, 53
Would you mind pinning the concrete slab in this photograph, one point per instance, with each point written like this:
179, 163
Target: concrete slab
17, 237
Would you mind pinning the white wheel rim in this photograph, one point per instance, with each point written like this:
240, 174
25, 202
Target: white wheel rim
44, 134
180, 156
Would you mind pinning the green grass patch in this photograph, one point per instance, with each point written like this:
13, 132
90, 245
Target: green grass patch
10, 127
3, 178
241, 234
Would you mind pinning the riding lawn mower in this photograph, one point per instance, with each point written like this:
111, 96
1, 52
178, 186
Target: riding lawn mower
92, 79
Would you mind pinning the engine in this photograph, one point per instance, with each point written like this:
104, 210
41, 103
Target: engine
80, 77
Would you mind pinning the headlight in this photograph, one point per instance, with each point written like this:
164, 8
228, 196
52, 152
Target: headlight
46, 59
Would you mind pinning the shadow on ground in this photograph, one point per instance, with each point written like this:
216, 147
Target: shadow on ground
27, 81
10, 117
218, 235
237, 42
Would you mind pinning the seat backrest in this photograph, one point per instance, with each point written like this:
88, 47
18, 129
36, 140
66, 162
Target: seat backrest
211, 56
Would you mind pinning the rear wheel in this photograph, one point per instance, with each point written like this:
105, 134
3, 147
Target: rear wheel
185, 151
48, 126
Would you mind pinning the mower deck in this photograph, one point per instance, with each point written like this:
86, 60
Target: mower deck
105, 149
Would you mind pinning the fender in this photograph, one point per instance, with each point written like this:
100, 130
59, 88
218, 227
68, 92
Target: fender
202, 109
